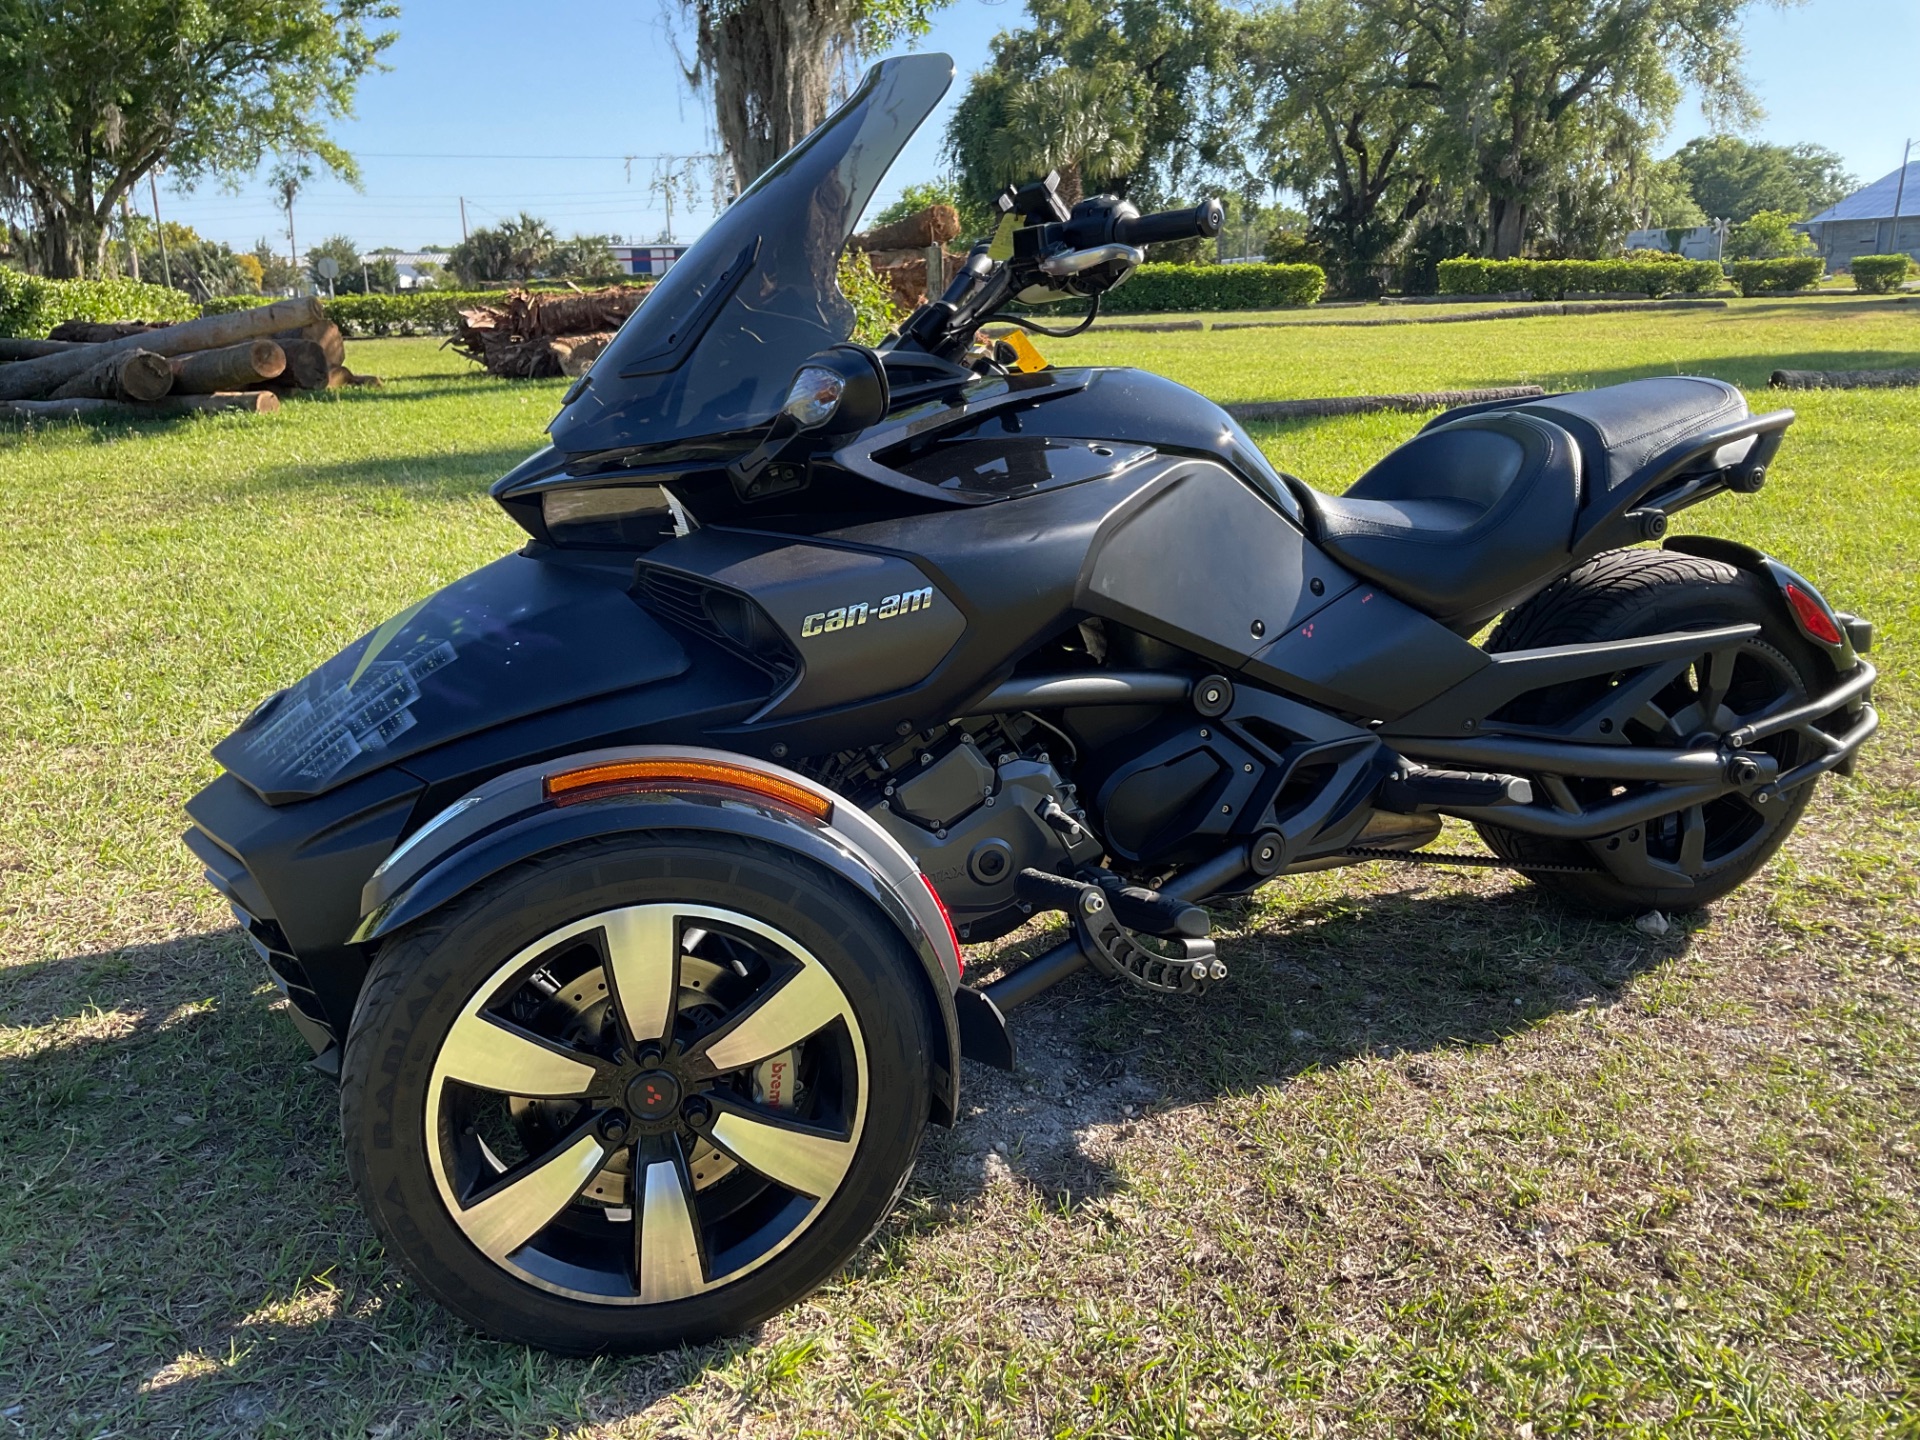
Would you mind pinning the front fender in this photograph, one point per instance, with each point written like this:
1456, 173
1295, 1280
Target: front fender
511, 819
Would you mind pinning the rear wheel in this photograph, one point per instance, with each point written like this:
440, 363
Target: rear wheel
638, 1093
1695, 855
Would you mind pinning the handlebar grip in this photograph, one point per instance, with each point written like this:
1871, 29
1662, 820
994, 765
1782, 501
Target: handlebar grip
1204, 219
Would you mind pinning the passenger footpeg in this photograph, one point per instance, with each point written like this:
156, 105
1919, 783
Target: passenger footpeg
1103, 913
1418, 788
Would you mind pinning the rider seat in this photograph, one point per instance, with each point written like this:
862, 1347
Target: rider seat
1489, 502
1463, 519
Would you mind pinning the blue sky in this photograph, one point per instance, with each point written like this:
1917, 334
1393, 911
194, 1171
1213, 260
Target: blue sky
574, 85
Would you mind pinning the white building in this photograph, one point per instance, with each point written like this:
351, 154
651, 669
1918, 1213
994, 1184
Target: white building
1866, 221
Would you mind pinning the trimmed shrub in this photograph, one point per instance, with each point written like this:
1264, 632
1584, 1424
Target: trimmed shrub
1555, 279
874, 312
31, 305
1160, 288
1776, 277
1881, 274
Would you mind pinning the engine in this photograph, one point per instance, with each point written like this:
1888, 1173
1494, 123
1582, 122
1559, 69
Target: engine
975, 803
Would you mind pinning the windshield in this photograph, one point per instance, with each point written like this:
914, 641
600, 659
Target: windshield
715, 345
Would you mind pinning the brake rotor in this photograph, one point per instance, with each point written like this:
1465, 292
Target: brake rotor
775, 1080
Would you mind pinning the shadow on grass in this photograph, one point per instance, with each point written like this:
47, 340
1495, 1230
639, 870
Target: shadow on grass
181, 1247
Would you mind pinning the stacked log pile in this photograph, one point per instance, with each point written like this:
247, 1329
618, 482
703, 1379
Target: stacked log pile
241, 361
903, 252
529, 336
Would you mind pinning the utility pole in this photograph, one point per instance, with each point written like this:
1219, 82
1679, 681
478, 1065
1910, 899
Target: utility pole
133, 250
166, 267
1899, 194
463, 219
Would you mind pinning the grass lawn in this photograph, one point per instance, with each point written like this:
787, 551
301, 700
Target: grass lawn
1437, 1159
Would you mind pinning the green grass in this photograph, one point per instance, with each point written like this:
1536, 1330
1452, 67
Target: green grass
1437, 1159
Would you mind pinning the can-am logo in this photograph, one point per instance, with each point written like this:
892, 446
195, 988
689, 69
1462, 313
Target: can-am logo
845, 617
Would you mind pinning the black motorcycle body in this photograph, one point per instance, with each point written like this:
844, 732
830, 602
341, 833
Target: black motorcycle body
1016, 642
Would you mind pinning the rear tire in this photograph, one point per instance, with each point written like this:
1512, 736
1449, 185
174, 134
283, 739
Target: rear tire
1628, 594
637, 1093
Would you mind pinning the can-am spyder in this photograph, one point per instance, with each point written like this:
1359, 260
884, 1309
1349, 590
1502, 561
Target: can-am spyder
624, 881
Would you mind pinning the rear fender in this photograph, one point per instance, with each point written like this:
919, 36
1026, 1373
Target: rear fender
1853, 635
512, 818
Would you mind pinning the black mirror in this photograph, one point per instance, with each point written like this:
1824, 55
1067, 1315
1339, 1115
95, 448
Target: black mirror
839, 390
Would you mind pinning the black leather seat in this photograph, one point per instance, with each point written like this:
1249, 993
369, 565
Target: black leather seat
1623, 429
1462, 520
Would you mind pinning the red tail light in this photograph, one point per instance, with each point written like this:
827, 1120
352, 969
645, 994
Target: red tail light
1813, 616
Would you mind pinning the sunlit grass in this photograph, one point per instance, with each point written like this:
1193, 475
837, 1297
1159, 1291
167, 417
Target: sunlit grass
1437, 1159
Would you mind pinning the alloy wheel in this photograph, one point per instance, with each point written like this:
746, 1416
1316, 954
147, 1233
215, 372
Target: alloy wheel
647, 1103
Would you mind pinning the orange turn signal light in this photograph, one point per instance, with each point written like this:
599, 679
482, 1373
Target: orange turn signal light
590, 782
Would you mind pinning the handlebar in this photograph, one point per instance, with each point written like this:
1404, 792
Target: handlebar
1204, 219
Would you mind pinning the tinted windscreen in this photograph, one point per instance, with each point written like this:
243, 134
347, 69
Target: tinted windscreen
716, 343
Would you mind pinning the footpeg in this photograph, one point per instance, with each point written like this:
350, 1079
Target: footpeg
1134, 906
1187, 967
1422, 789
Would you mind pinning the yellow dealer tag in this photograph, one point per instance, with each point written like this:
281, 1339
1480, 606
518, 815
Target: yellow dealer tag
1025, 357
1002, 246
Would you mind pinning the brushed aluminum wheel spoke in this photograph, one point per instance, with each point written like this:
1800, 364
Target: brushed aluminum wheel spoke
520, 1208
643, 955
487, 1053
667, 1263
810, 1161
801, 1006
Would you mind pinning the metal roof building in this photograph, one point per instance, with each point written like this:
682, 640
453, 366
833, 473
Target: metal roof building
1863, 223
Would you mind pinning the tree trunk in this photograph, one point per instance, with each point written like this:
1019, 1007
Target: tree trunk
63, 249
325, 334
26, 378
232, 367
258, 402
1506, 227
99, 332
126, 375
34, 349
307, 366
770, 64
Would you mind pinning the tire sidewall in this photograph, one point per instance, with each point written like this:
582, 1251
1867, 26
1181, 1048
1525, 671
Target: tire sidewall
425, 976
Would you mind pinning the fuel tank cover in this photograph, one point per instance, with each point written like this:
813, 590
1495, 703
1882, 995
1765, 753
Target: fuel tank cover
513, 639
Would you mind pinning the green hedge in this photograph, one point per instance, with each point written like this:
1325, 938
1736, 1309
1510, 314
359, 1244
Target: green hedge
30, 306
1159, 288
1881, 274
1556, 279
1776, 277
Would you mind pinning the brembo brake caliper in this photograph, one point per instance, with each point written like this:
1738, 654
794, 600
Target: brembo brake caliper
1115, 949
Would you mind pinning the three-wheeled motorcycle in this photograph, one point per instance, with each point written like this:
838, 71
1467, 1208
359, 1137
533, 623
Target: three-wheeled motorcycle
623, 883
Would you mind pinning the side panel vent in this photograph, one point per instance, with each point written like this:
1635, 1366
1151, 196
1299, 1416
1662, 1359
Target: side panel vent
727, 618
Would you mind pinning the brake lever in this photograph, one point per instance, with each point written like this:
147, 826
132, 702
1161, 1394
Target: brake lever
1076, 262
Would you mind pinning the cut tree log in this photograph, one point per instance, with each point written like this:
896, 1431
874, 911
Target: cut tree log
1367, 404
512, 338
258, 402
231, 367
932, 226
127, 375
27, 378
1843, 379
323, 333
98, 332
307, 366
12, 349
338, 377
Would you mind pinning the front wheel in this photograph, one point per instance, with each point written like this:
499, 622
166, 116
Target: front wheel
637, 1093
1695, 855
